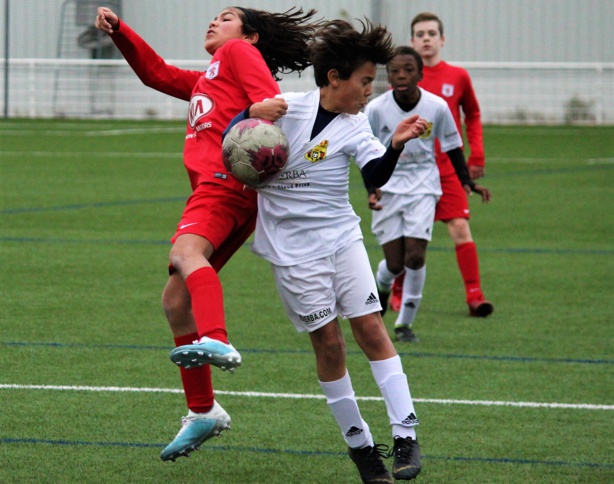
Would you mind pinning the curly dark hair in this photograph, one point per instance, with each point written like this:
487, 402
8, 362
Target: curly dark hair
338, 45
283, 38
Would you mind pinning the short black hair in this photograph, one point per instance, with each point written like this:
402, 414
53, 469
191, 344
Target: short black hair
407, 50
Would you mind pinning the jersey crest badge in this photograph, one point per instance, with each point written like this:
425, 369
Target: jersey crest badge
447, 90
213, 70
428, 132
318, 153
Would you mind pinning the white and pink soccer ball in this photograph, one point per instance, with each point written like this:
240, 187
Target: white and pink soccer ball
255, 151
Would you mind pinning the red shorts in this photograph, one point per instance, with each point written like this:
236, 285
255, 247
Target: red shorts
453, 203
225, 217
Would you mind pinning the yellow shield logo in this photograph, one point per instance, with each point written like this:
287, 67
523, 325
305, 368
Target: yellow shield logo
428, 132
318, 153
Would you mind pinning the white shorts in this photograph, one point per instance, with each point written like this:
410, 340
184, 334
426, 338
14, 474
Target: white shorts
316, 292
404, 216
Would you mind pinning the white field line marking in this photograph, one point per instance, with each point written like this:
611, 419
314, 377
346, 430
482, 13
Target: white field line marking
578, 406
91, 154
94, 132
51, 125
121, 132
562, 161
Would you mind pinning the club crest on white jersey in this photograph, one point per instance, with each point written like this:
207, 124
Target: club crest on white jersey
318, 153
213, 70
200, 105
428, 132
447, 90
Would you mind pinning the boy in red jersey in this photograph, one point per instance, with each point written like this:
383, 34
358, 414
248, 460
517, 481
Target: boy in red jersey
219, 215
454, 85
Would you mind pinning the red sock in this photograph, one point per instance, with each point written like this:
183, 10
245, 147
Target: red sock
467, 258
207, 303
197, 384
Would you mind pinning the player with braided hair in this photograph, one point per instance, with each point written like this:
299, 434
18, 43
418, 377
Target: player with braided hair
249, 49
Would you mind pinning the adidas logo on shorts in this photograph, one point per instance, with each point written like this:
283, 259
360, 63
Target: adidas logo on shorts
372, 299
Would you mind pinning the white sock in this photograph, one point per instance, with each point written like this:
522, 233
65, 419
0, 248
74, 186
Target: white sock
384, 278
413, 285
342, 403
392, 382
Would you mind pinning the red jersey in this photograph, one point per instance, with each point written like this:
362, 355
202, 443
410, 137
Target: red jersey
454, 85
236, 78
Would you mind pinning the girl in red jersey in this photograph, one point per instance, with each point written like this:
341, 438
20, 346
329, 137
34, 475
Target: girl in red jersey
249, 48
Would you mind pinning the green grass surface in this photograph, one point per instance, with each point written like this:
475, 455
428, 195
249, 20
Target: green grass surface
86, 211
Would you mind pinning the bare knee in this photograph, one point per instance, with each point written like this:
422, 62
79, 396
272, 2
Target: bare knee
372, 337
329, 348
331, 352
459, 230
415, 253
189, 253
395, 268
370, 333
415, 261
180, 257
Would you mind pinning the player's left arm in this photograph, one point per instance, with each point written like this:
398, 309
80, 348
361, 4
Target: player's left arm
473, 127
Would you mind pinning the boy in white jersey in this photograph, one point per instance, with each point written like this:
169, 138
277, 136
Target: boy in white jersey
309, 232
404, 208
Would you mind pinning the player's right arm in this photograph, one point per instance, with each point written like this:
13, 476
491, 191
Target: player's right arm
379, 170
269, 109
150, 68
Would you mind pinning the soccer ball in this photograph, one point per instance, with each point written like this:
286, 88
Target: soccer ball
254, 151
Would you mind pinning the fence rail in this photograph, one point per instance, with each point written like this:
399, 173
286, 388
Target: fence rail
517, 92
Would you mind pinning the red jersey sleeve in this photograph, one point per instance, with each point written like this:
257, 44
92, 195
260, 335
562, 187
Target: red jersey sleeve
150, 68
473, 122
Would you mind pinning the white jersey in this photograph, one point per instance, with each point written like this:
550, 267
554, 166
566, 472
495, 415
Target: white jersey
416, 171
305, 213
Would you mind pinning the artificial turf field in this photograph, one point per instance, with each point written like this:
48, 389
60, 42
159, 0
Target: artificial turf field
88, 394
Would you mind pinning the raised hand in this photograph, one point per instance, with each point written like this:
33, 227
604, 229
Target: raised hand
106, 20
409, 128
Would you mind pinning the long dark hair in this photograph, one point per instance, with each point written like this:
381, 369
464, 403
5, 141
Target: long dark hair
338, 45
283, 38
